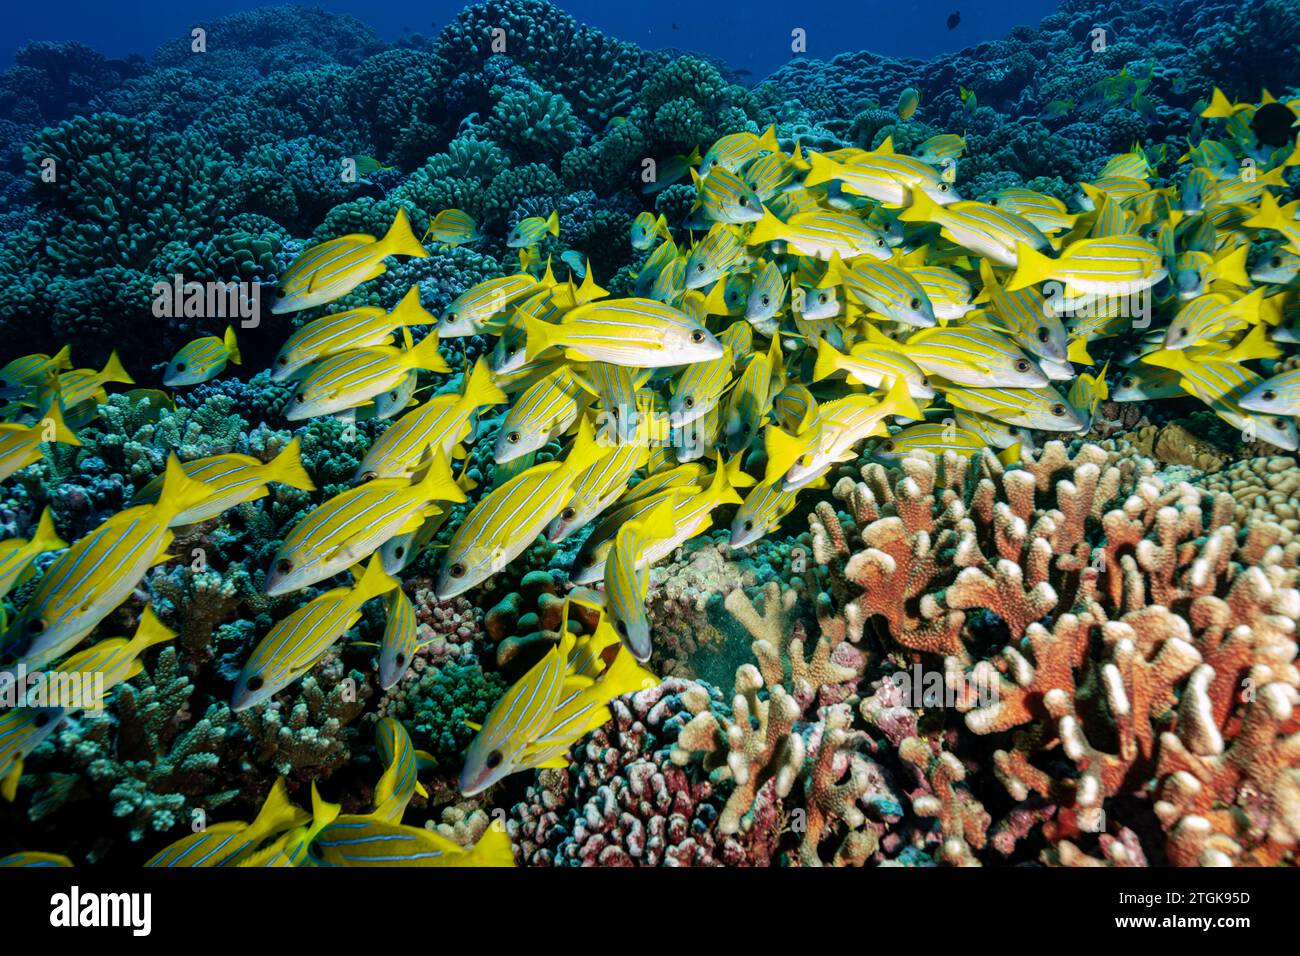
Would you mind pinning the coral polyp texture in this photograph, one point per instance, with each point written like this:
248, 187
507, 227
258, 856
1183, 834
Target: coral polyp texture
515, 446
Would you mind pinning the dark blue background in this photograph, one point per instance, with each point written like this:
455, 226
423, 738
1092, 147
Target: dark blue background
753, 36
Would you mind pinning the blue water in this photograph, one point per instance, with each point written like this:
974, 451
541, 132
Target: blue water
754, 36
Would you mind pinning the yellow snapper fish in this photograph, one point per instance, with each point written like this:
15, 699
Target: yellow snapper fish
763, 508
352, 379
967, 355
701, 385
1040, 408
292, 847
1278, 395
598, 487
297, 644
400, 550
116, 660
989, 231
1122, 265
366, 841
627, 577
332, 269
945, 147
637, 332
22, 730
361, 328
84, 384
949, 294
543, 714
35, 858
1222, 385
937, 438
23, 374
18, 554
794, 407
440, 424
769, 175
1210, 318
402, 764
453, 227
1086, 395
1281, 220
617, 390
482, 307
751, 400
531, 231
840, 426
226, 844
713, 256
723, 197
883, 288
1047, 213
873, 366
821, 234
1024, 316
645, 228
355, 523
202, 360
883, 176
510, 517
767, 295
735, 150
90, 579
542, 412
233, 480
697, 498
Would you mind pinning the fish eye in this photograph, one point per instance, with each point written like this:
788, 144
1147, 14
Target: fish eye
568, 514
916, 303
1182, 333
36, 625
1126, 383
943, 187
283, 360
1279, 423
880, 242
302, 396
1277, 262
700, 267
697, 337
40, 720
622, 628
1058, 410
180, 366
767, 300
1022, 366
689, 403
744, 201
888, 446
451, 316
1043, 334
1269, 395
457, 570
400, 659
749, 525
284, 566
369, 476
821, 298
494, 760
513, 438
993, 201
399, 552
255, 683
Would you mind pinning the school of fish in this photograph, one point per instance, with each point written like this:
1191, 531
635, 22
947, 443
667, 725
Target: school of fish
813, 307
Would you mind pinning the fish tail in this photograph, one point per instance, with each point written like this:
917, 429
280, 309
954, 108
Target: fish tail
492, 849
180, 492
720, 487
54, 417
821, 169
900, 400
783, 450
287, 469
150, 631
480, 389
539, 336
46, 538
624, 676
9, 786
277, 814
767, 229
586, 450
661, 230
828, 361
62, 359
400, 240
736, 474
425, 354
438, 484
114, 372
768, 140
1232, 267
1268, 215
921, 209
323, 814
553, 222
1032, 267
1220, 106
232, 347
410, 312
373, 581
